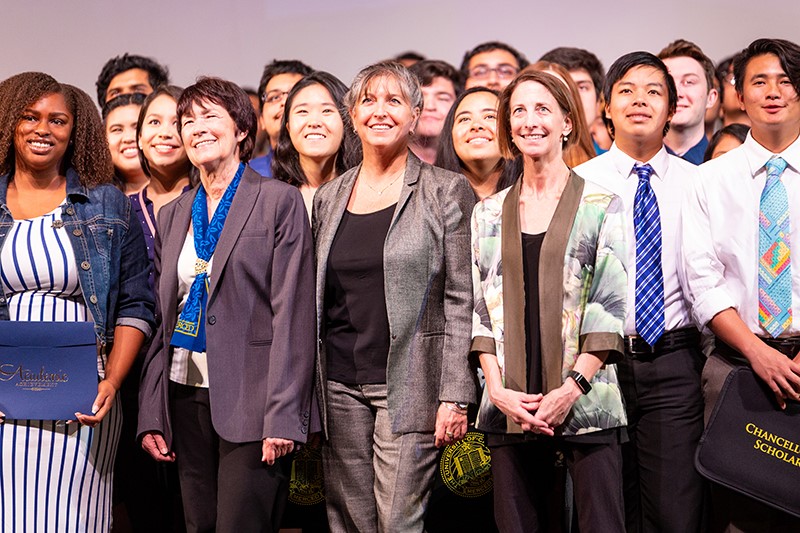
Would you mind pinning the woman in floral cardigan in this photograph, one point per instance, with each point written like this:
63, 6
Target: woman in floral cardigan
550, 289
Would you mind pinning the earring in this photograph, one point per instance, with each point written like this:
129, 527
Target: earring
564, 138
410, 133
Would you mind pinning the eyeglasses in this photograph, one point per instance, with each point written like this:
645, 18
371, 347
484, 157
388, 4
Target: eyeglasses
273, 97
504, 71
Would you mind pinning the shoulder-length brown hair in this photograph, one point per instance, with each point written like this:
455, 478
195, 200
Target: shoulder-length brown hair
583, 149
88, 151
554, 86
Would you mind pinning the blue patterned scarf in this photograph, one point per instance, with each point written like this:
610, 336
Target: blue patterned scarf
190, 331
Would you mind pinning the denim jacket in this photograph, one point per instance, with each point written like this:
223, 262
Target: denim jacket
110, 253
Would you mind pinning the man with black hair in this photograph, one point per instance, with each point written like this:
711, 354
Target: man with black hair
739, 253
660, 375
128, 74
441, 85
492, 64
277, 80
588, 74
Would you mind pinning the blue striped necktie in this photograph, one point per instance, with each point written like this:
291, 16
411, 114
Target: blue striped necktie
649, 276
774, 264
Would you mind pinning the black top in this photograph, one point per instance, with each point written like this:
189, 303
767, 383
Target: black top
531, 251
356, 323
531, 248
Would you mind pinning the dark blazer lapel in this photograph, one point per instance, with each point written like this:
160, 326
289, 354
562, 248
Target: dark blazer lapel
513, 298
551, 281
173, 236
332, 217
243, 202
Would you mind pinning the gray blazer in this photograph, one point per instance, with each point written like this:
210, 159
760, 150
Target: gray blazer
427, 280
259, 317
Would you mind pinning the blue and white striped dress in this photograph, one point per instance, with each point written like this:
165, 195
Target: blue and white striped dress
53, 476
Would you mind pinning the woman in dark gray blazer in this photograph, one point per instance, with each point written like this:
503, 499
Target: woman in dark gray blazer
393, 308
227, 384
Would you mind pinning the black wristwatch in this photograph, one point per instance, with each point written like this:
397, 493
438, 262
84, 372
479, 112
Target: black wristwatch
583, 383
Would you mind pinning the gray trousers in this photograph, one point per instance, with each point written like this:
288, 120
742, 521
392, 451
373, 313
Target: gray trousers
375, 480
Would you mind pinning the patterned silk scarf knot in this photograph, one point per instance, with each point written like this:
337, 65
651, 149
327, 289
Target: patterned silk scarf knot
774, 264
190, 331
649, 275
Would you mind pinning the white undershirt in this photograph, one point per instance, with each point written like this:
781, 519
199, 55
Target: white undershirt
188, 367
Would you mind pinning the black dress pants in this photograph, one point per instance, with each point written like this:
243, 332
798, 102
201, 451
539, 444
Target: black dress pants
225, 486
527, 498
664, 401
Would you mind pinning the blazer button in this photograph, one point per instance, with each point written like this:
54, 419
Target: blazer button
77, 232
85, 265
394, 337
70, 211
212, 320
93, 299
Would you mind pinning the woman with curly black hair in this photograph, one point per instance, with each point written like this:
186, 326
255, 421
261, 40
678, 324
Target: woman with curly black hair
70, 251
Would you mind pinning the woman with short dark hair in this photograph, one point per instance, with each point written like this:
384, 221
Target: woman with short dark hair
226, 386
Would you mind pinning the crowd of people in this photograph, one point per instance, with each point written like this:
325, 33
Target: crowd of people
570, 260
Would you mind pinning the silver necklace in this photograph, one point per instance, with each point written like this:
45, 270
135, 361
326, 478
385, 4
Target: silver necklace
380, 192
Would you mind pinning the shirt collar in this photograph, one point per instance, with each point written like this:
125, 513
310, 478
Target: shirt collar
624, 163
757, 156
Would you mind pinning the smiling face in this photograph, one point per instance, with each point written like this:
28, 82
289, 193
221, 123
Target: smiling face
275, 92
135, 80
474, 129
210, 136
768, 96
537, 122
383, 117
437, 99
43, 133
694, 95
639, 106
121, 135
314, 123
159, 139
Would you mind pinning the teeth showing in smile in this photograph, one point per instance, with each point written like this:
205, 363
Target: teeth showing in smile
201, 144
381, 127
164, 148
533, 136
130, 152
479, 140
37, 144
315, 136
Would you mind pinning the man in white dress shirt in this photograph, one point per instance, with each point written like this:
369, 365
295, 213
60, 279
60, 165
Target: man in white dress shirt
720, 252
660, 376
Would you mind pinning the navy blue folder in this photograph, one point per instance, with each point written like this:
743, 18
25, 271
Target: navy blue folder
48, 370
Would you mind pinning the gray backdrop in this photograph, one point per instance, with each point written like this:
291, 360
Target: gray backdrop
71, 39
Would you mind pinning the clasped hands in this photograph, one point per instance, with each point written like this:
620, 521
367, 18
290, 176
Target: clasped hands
537, 413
